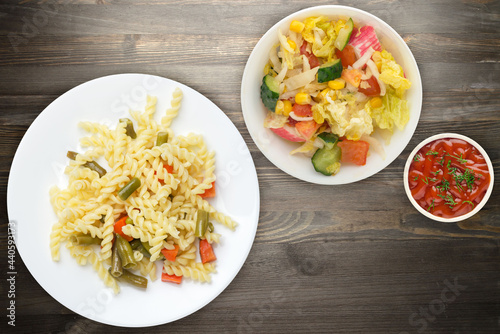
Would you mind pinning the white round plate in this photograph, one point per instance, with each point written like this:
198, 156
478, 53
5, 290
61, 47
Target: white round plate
39, 163
277, 150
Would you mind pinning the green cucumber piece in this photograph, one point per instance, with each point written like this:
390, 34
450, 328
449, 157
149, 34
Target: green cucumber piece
330, 139
326, 160
344, 35
269, 92
329, 71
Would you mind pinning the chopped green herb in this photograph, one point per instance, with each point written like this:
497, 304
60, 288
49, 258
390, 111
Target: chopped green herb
436, 173
448, 200
432, 179
460, 158
431, 207
425, 181
441, 162
415, 178
470, 203
416, 158
434, 153
444, 186
468, 176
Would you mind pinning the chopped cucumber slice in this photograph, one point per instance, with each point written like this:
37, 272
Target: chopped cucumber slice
344, 35
329, 71
269, 92
326, 160
330, 139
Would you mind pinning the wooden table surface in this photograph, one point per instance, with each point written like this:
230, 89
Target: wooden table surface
355, 258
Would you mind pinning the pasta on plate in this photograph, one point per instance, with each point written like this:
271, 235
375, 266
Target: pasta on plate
166, 178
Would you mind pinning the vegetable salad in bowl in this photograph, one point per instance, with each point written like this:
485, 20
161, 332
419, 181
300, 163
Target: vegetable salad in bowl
329, 84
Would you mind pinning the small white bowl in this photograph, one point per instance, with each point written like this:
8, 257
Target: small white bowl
276, 149
427, 213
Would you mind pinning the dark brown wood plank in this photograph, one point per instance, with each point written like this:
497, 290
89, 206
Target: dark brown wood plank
326, 259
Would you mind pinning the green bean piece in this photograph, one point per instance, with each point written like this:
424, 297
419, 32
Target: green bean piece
139, 281
129, 221
135, 243
95, 167
129, 127
161, 138
144, 251
83, 240
147, 248
129, 188
116, 268
89, 164
210, 227
201, 223
72, 155
125, 251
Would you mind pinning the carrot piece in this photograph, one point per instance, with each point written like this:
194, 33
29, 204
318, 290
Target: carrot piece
169, 168
171, 278
206, 252
210, 192
118, 228
170, 254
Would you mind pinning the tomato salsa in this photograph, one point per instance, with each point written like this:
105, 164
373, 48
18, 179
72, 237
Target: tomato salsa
448, 177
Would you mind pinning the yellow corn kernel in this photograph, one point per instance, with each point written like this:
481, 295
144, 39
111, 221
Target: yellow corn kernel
267, 68
280, 107
292, 44
297, 26
287, 107
376, 102
339, 25
302, 98
336, 84
318, 118
323, 93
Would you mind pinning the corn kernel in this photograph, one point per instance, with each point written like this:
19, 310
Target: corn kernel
287, 107
280, 107
323, 93
292, 44
302, 98
297, 26
376, 102
318, 118
336, 84
267, 69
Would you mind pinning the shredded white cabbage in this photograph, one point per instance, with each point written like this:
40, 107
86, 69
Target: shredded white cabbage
301, 79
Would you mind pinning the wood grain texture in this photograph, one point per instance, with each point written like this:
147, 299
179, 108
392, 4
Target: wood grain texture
326, 259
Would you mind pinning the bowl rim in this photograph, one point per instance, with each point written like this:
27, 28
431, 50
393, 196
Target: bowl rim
416, 107
441, 136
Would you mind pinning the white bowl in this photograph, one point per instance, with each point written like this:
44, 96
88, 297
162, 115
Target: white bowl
276, 149
427, 213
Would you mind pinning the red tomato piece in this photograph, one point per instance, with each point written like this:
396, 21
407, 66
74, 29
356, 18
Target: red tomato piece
291, 121
373, 89
347, 56
302, 110
354, 151
313, 60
